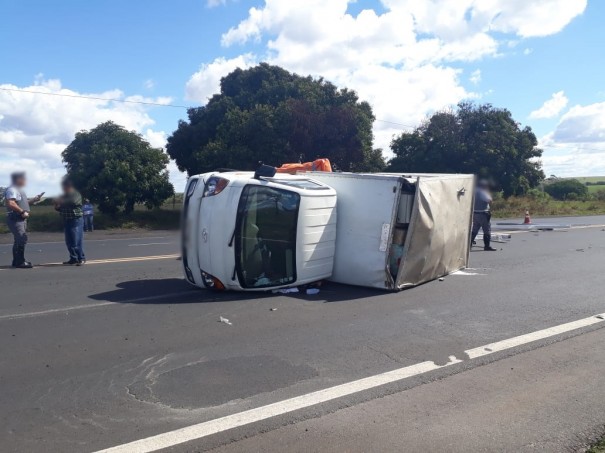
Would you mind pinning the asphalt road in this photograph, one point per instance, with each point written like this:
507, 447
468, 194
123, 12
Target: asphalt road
121, 350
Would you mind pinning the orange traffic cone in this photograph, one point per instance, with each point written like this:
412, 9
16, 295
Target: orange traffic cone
527, 218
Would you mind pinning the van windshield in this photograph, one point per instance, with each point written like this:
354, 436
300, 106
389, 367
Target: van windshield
265, 244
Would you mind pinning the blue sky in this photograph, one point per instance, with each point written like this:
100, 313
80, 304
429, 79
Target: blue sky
408, 58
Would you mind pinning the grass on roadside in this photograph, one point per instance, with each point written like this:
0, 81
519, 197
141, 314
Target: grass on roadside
516, 207
599, 447
46, 219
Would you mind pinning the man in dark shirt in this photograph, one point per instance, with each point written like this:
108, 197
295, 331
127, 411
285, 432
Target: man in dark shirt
482, 215
69, 207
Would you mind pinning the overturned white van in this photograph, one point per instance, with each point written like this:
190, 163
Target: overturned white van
247, 232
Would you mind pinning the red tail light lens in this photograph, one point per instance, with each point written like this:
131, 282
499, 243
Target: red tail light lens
215, 185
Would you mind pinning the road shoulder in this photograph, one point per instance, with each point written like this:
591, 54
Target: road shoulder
548, 399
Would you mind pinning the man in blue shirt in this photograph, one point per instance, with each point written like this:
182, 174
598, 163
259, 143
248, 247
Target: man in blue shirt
17, 213
88, 212
482, 215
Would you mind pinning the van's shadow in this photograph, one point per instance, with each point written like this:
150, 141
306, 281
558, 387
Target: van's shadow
171, 291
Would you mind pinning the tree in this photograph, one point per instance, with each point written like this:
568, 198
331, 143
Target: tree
2, 195
117, 169
563, 189
268, 114
478, 139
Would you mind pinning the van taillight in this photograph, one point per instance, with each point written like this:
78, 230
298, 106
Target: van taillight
215, 185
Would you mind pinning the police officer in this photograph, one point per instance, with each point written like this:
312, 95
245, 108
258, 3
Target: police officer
17, 209
482, 215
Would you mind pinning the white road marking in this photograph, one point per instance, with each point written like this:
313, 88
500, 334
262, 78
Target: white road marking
109, 260
33, 314
150, 243
91, 240
573, 227
204, 429
534, 336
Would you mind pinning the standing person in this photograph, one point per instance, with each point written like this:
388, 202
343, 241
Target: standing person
70, 208
17, 210
482, 215
88, 212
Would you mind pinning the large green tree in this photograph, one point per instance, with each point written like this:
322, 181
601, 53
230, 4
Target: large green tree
116, 168
478, 139
268, 114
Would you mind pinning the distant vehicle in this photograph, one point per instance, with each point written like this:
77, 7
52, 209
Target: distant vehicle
244, 231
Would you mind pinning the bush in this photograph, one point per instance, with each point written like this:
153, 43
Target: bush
537, 194
600, 195
45, 218
564, 188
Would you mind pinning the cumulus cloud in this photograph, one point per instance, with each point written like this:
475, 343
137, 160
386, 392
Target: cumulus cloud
400, 57
35, 128
582, 124
577, 145
206, 81
552, 107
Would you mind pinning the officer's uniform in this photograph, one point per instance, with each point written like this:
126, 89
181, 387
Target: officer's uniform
17, 224
482, 216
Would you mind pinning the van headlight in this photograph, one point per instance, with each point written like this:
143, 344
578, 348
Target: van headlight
211, 282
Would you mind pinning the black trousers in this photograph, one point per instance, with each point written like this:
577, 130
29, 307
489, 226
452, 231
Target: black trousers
482, 221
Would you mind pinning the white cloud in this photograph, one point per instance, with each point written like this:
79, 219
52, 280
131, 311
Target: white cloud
582, 124
215, 3
149, 84
577, 145
398, 58
475, 77
36, 128
206, 81
552, 107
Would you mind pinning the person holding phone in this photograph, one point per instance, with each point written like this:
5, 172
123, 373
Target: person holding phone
17, 213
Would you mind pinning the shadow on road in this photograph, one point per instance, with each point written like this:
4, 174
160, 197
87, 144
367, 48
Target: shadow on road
178, 291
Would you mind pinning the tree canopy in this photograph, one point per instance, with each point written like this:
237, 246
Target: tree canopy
563, 189
479, 139
116, 168
268, 114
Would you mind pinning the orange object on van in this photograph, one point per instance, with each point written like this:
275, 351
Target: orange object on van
316, 165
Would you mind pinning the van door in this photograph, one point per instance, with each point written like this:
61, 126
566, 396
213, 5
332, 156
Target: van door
438, 238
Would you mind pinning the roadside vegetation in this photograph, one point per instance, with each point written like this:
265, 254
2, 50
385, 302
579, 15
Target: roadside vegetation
266, 113
166, 217
545, 206
599, 447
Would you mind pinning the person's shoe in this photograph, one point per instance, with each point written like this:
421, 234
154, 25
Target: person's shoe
474, 242
70, 263
489, 249
81, 263
24, 265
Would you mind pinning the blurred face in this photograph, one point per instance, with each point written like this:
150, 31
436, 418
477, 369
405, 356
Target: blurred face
67, 188
20, 182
